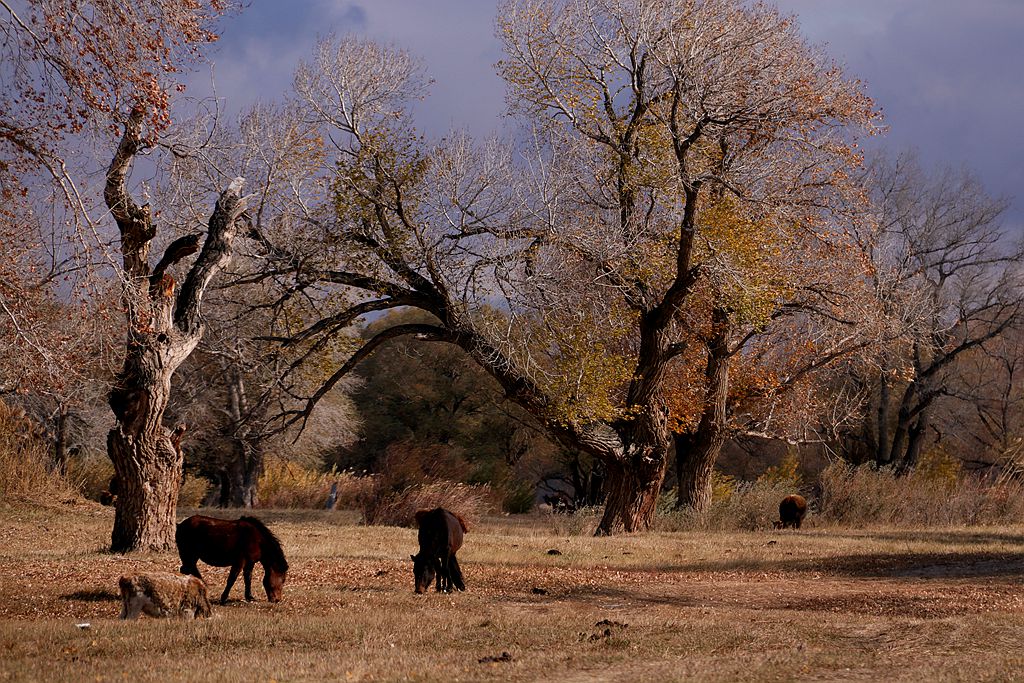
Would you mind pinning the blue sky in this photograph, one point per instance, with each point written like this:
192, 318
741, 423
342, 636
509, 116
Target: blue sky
946, 73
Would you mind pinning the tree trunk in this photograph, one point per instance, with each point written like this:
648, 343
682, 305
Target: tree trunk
897, 448
162, 330
149, 475
693, 473
247, 464
631, 496
60, 440
696, 454
915, 442
245, 474
882, 442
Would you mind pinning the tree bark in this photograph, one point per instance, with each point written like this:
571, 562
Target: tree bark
633, 481
631, 495
897, 448
915, 441
60, 440
882, 441
245, 473
696, 454
162, 330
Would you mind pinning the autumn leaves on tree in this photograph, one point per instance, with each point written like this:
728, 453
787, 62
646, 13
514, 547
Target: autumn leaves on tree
681, 189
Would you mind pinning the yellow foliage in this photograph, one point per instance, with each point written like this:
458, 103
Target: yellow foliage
787, 471
939, 467
745, 255
588, 371
723, 486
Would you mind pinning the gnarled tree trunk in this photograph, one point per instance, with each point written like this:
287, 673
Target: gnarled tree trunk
163, 329
634, 480
631, 496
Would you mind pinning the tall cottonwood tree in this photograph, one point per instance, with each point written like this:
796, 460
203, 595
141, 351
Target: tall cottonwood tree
69, 70
569, 275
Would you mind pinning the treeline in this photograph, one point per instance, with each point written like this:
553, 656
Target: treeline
680, 249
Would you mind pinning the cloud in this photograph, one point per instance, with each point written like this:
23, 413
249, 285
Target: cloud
945, 72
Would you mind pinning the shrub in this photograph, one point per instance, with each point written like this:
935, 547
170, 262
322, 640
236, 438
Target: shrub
738, 505
192, 491
398, 508
285, 484
516, 497
930, 496
90, 474
25, 472
786, 473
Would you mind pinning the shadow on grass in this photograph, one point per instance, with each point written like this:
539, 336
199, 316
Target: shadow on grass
947, 565
95, 595
953, 537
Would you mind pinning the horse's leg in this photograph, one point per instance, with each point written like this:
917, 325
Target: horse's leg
438, 574
189, 564
247, 575
235, 568
445, 573
456, 573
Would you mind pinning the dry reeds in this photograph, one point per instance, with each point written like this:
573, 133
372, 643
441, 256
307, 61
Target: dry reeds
25, 472
287, 484
861, 496
398, 508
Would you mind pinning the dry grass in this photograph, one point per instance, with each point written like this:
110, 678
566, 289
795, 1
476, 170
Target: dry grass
929, 496
288, 484
25, 472
398, 508
901, 605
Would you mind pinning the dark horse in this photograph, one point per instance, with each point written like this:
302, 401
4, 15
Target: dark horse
237, 544
791, 512
440, 537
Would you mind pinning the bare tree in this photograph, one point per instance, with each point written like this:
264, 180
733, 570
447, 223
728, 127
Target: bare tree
69, 70
164, 326
942, 263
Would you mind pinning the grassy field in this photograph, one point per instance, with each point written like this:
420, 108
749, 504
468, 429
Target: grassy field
817, 604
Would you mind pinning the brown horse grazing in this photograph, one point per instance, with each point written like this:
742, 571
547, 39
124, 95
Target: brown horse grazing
440, 538
237, 544
791, 512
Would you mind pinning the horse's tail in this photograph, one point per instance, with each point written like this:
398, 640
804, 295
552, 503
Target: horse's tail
462, 522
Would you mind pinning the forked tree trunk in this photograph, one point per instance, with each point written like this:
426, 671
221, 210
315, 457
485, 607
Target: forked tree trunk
163, 329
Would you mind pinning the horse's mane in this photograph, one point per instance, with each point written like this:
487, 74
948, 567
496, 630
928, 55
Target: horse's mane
272, 547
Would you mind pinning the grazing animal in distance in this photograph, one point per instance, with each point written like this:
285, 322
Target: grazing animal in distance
238, 544
163, 594
791, 512
440, 537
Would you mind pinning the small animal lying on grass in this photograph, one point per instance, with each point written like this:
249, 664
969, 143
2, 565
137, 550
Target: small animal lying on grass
791, 512
440, 537
163, 595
